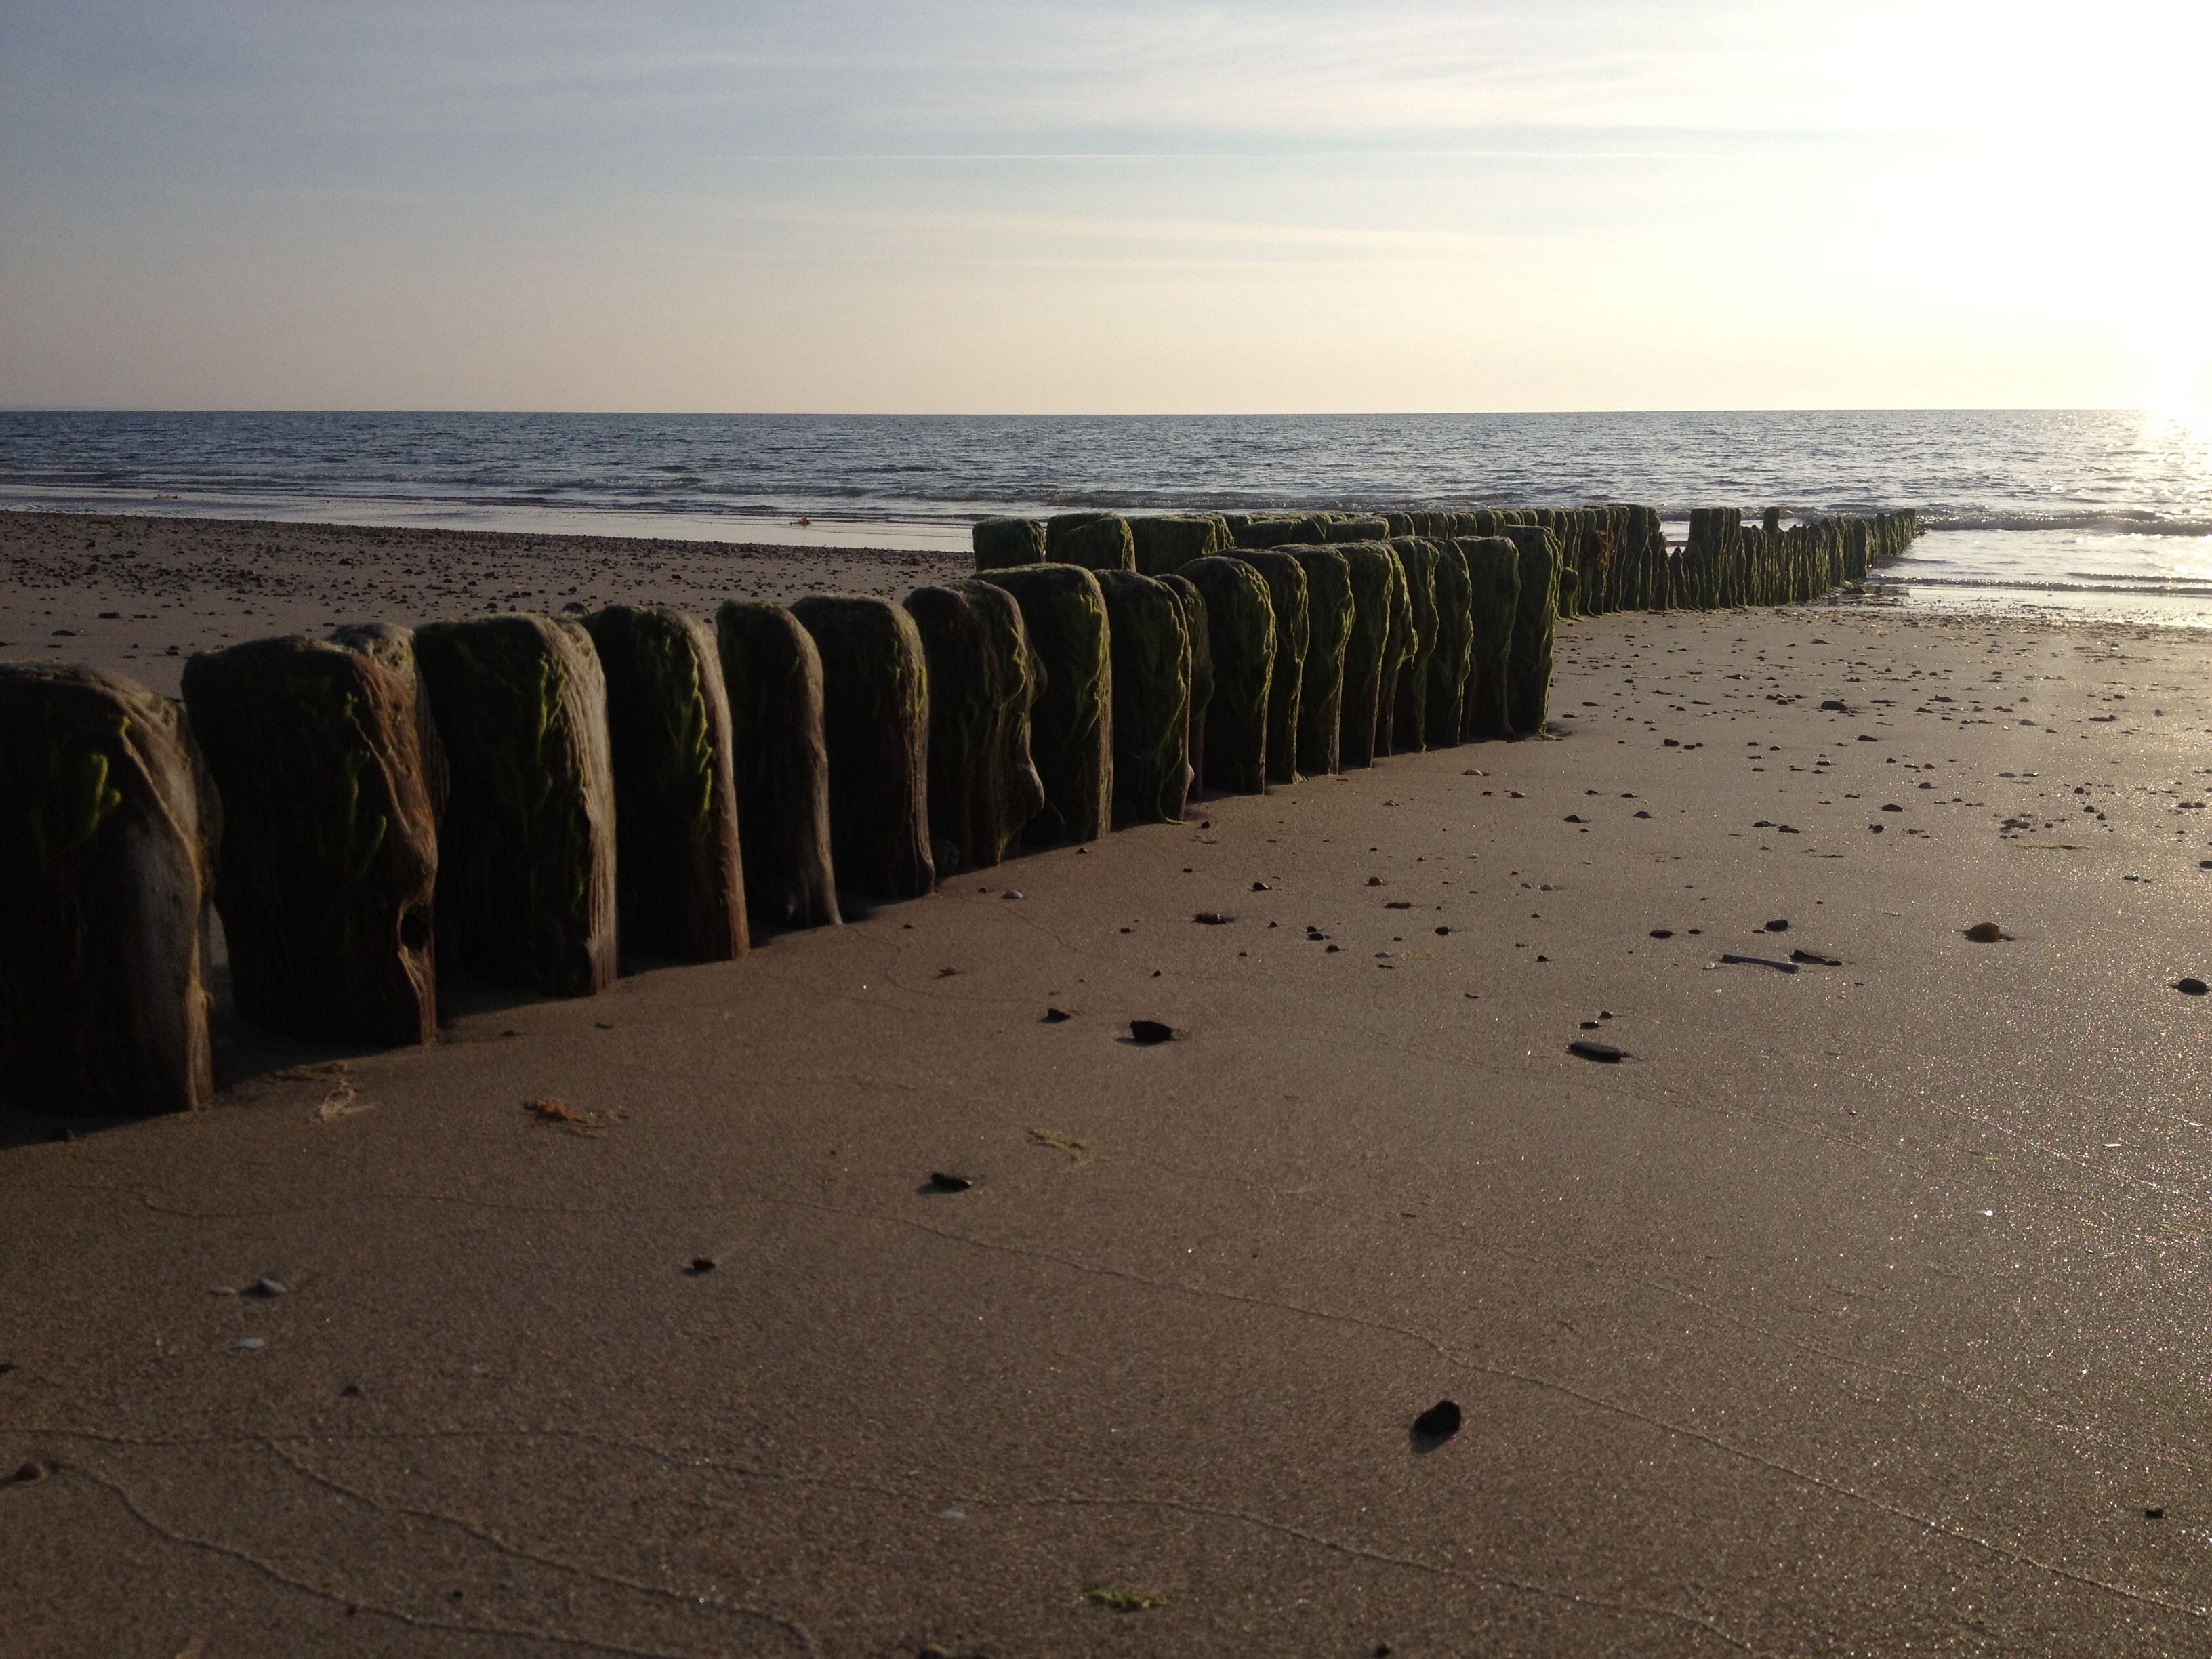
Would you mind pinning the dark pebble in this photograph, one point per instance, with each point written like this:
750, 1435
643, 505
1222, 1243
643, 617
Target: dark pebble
1835, 706
1213, 919
1149, 1031
1374, 881
29, 1473
1604, 1053
1985, 933
1056, 1016
1662, 933
940, 1182
2155, 1515
2190, 987
1440, 1422
1777, 926
1572, 817
706, 1264
1814, 959
1262, 887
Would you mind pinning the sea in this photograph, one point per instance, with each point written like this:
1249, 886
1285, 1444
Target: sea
2103, 514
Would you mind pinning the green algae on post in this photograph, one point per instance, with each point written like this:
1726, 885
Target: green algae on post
1374, 574
1494, 583
1240, 619
772, 674
1072, 722
679, 882
328, 871
1529, 675
1151, 699
1286, 592
1097, 541
1409, 719
106, 858
1192, 604
1328, 630
526, 849
1000, 542
875, 721
983, 785
1452, 657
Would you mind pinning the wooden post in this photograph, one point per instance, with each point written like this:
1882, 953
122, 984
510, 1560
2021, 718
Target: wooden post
1072, 723
105, 863
680, 883
1241, 619
1152, 698
983, 785
875, 718
328, 872
1286, 593
772, 674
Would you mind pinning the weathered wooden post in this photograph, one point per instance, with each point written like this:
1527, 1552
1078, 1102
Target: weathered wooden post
875, 720
1398, 648
1494, 579
1192, 604
1452, 660
772, 674
1072, 722
1374, 573
1328, 630
1152, 698
1000, 542
1097, 541
526, 849
1241, 620
984, 784
1169, 541
1528, 673
1286, 593
1409, 719
106, 858
327, 876
679, 878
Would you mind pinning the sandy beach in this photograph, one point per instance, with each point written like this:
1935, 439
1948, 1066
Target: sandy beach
1859, 1309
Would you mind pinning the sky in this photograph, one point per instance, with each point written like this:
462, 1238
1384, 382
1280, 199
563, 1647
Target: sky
841, 206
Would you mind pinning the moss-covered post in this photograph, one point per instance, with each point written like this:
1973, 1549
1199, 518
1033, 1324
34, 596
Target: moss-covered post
1097, 541
1528, 674
328, 872
106, 858
1409, 721
1002, 543
1152, 698
1266, 529
772, 674
392, 648
1452, 658
983, 783
1166, 542
1191, 605
1240, 621
1398, 650
1493, 564
1373, 572
1328, 631
526, 849
875, 720
1286, 592
679, 879
1072, 722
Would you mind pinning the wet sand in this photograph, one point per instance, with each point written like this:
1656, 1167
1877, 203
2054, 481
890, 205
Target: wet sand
1858, 1309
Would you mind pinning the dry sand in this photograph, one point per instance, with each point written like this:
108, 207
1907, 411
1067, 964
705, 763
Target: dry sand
1859, 1310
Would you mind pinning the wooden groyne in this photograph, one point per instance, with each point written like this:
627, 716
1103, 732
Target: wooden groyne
517, 796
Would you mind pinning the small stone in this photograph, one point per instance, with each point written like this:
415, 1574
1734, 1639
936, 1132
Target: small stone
245, 1344
268, 1288
1835, 706
1604, 1053
701, 1264
1056, 1016
1892, 807
1146, 1033
939, 1181
27, 1473
1643, 815
1441, 932
1374, 881
1011, 893
2155, 1515
2190, 987
1440, 1422
1779, 926
351, 1391
1574, 817
1262, 887
1986, 933
1213, 919
1662, 933
1399, 904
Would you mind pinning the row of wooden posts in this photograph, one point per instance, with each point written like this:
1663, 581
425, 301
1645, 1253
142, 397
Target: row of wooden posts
365, 810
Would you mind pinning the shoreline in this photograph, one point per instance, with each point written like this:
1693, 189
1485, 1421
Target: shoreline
1857, 1307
